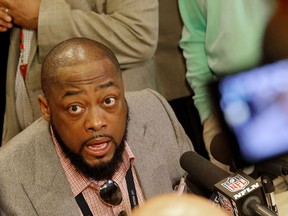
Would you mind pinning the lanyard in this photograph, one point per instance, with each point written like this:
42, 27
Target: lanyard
83, 205
23, 64
131, 191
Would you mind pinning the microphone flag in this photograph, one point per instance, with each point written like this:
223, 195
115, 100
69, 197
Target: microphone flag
233, 192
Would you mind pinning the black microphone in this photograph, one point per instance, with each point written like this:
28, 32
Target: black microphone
238, 193
201, 170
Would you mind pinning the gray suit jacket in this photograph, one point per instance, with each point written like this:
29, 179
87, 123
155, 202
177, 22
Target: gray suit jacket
32, 180
128, 27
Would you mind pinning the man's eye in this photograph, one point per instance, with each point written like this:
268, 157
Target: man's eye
109, 101
74, 109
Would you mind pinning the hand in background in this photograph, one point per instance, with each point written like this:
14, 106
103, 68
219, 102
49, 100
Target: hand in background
5, 20
23, 12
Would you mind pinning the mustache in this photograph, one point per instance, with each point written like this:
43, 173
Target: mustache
97, 136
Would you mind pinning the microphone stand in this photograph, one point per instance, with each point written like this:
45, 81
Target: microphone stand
269, 192
252, 207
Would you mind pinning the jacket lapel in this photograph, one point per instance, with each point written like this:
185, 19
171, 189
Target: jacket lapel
49, 190
149, 163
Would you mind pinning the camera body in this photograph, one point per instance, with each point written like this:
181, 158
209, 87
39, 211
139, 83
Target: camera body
252, 107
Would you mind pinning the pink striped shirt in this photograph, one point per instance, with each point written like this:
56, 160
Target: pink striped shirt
89, 187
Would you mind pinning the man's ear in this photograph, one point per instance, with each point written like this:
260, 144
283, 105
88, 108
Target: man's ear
44, 107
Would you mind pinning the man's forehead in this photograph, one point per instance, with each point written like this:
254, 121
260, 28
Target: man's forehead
98, 74
64, 90
83, 70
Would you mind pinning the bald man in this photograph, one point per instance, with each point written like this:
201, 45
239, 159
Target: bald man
96, 150
172, 204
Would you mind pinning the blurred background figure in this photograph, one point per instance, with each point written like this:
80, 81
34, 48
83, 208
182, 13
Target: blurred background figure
174, 205
220, 37
4, 44
275, 46
128, 27
171, 70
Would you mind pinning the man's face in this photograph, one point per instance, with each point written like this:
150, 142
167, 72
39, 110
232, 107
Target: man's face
88, 110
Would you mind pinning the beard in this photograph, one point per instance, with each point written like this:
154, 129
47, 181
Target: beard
102, 171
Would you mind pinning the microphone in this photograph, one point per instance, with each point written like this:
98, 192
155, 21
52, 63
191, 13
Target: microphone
238, 193
201, 170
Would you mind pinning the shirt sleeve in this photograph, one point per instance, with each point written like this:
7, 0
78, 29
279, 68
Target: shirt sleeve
193, 14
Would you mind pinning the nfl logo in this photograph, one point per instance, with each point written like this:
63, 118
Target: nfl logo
235, 183
225, 203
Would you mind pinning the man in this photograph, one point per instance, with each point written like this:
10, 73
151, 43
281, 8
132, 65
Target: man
219, 38
93, 133
171, 70
4, 41
171, 204
129, 28
275, 44
275, 48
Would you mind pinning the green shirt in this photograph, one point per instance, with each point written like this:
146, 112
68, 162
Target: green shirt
221, 37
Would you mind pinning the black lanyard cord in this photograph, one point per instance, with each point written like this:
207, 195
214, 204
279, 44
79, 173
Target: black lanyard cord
83, 205
131, 188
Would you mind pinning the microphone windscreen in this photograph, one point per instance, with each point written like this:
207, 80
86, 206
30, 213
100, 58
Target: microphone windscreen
201, 170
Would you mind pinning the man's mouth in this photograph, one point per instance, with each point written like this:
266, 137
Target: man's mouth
98, 146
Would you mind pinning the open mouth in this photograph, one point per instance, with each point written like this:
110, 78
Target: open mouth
98, 146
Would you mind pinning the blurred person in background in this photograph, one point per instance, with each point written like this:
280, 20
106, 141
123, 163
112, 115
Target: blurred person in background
172, 204
220, 37
275, 48
4, 44
275, 45
171, 69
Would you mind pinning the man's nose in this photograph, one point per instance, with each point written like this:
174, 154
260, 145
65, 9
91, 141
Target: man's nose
94, 120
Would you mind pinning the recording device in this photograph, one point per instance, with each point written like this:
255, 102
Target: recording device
252, 107
238, 193
222, 150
